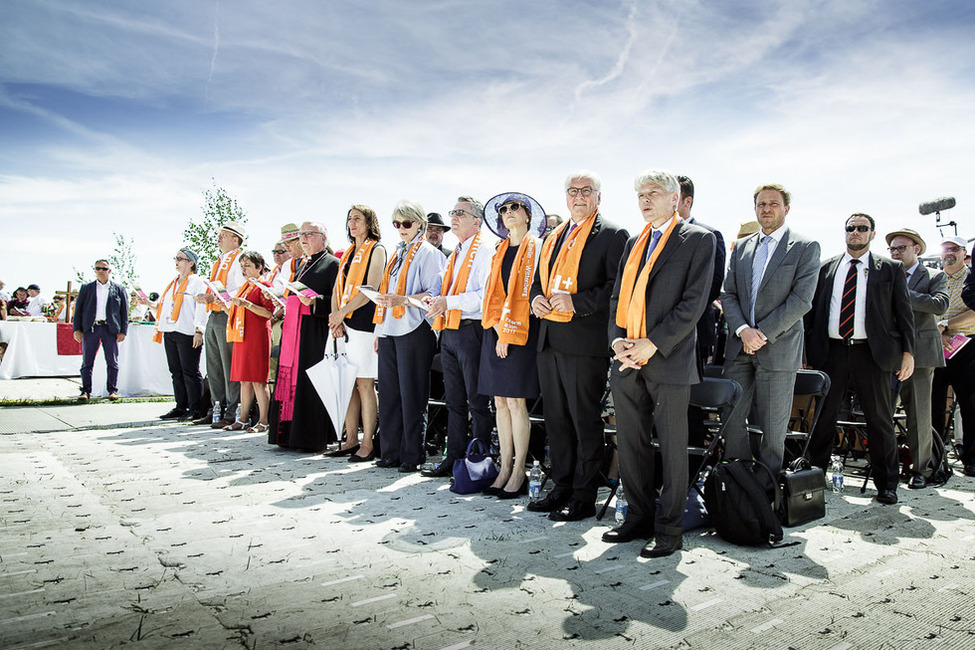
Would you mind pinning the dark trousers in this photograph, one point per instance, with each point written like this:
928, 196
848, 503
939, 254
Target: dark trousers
916, 398
853, 366
184, 366
572, 391
641, 404
404, 390
460, 355
100, 335
959, 373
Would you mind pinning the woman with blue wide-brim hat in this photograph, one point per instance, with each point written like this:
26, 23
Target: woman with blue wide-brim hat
508, 370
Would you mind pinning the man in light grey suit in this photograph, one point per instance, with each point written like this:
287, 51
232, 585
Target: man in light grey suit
928, 289
770, 285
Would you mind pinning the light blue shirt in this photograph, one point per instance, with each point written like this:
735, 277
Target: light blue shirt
423, 277
471, 301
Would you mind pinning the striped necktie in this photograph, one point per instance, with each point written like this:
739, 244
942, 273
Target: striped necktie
848, 303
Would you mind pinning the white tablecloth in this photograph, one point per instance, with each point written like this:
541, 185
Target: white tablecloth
32, 352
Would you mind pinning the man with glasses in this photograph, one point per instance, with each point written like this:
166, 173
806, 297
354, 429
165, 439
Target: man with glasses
571, 292
101, 318
929, 299
860, 332
435, 232
959, 370
457, 314
281, 256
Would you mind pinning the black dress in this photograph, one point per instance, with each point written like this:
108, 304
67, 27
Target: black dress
517, 374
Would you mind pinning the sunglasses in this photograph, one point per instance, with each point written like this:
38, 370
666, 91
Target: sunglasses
860, 228
277, 252
101, 268
514, 207
951, 249
403, 224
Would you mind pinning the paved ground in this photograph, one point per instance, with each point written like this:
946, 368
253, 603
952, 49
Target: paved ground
163, 536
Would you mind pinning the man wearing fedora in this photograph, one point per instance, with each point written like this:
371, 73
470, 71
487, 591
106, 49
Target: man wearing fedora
217, 349
435, 231
929, 299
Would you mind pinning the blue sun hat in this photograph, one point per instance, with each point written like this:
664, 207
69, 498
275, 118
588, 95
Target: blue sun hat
495, 223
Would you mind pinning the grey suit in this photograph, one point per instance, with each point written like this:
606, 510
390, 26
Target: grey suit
928, 289
768, 376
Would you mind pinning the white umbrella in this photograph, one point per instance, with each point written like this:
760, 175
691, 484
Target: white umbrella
334, 379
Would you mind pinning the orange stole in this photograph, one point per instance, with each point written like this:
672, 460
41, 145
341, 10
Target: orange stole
219, 272
451, 318
235, 328
565, 271
348, 287
157, 337
511, 311
398, 310
631, 310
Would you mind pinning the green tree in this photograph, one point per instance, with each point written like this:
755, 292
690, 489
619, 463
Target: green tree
201, 235
122, 260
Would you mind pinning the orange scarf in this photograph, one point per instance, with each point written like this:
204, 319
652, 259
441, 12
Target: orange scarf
510, 311
177, 305
451, 318
235, 329
347, 285
398, 310
274, 273
219, 272
566, 269
631, 310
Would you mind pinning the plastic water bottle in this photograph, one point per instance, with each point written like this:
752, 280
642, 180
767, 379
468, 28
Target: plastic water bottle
216, 412
621, 504
836, 473
535, 482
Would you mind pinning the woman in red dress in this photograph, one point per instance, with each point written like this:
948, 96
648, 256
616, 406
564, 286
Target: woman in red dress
249, 328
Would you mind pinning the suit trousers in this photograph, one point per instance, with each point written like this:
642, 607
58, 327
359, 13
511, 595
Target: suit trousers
959, 373
100, 335
853, 366
218, 355
642, 405
572, 392
460, 355
184, 366
916, 398
767, 401
404, 391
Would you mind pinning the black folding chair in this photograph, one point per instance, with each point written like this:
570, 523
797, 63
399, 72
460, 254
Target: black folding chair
811, 387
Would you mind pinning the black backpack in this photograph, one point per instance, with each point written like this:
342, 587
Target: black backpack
742, 497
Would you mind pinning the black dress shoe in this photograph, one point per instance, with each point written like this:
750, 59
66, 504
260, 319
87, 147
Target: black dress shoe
445, 468
917, 482
356, 458
554, 500
408, 468
887, 497
627, 532
520, 492
174, 414
191, 416
662, 546
387, 462
338, 453
206, 418
491, 491
970, 469
574, 511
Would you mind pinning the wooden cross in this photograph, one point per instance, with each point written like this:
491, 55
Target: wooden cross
69, 297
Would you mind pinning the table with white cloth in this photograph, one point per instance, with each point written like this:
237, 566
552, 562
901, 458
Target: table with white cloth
32, 352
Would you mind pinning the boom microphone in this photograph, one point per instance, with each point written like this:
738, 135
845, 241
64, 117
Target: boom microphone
944, 203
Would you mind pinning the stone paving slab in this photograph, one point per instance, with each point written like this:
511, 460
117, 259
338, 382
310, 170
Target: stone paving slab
174, 536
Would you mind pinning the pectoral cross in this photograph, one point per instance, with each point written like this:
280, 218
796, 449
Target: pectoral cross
567, 283
504, 313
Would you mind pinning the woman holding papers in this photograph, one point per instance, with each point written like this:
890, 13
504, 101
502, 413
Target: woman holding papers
249, 329
508, 370
405, 341
180, 322
352, 313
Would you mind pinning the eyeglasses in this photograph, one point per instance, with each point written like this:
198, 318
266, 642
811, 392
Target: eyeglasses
514, 207
309, 233
102, 268
860, 228
181, 259
576, 191
403, 224
950, 249
459, 213
279, 252
898, 249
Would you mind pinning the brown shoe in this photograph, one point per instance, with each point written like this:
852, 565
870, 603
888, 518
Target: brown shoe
84, 397
219, 424
113, 397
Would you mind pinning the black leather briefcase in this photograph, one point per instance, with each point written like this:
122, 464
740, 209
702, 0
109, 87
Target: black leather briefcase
803, 493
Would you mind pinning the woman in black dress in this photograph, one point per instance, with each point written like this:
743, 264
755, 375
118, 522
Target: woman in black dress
508, 370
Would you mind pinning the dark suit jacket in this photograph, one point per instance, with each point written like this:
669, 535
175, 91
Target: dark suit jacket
928, 289
116, 309
783, 299
706, 324
889, 319
585, 334
677, 292
968, 291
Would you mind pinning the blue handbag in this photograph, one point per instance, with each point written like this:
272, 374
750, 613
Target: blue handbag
475, 471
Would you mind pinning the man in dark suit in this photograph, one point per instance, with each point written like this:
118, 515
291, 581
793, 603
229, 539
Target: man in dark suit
660, 293
570, 295
769, 288
928, 289
706, 326
860, 332
101, 317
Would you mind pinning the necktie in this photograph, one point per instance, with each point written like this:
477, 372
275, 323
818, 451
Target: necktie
758, 270
654, 238
848, 303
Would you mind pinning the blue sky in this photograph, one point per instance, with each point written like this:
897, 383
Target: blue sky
114, 116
